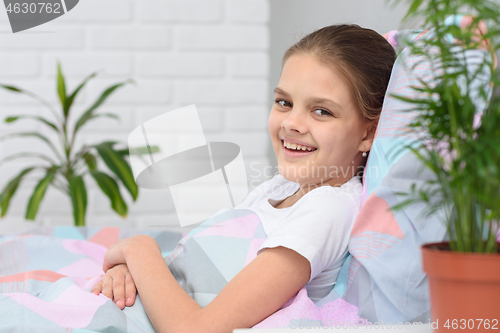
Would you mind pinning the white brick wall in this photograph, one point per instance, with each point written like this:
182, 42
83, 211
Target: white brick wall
212, 53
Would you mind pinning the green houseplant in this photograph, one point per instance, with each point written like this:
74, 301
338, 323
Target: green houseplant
66, 172
457, 121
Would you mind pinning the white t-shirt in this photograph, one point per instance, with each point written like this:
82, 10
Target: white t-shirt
317, 226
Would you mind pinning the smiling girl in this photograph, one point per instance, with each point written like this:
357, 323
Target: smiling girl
322, 125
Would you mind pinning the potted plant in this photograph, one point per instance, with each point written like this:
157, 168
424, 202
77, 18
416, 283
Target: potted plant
66, 172
458, 124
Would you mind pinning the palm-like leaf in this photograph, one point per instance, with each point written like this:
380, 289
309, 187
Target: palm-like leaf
90, 111
61, 90
66, 173
36, 135
10, 189
78, 194
39, 193
118, 165
43, 120
110, 187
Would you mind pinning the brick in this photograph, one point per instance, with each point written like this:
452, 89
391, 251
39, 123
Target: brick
144, 91
251, 11
19, 65
182, 65
16, 224
180, 11
64, 38
57, 220
222, 92
223, 38
130, 38
92, 11
247, 118
212, 119
82, 65
249, 65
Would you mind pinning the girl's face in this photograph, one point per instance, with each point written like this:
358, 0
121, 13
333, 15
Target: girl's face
314, 108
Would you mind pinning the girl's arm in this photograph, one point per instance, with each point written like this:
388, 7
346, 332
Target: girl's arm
256, 292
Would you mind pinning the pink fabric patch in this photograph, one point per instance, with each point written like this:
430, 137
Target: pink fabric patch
252, 249
73, 308
242, 227
39, 275
375, 215
106, 236
82, 268
90, 249
390, 37
299, 307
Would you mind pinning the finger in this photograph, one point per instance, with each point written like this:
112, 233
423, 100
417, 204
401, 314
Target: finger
107, 286
119, 290
97, 288
130, 290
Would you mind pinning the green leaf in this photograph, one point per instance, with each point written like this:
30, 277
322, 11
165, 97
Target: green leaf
413, 8
43, 120
37, 135
118, 165
78, 194
89, 113
10, 189
11, 88
20, 155
39, 193
61, 89
109, 115
110, 187
71, 98
90, 160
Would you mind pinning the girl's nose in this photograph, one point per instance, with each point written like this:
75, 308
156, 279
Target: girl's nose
295, 122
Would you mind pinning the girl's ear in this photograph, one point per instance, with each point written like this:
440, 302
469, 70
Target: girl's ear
371, 129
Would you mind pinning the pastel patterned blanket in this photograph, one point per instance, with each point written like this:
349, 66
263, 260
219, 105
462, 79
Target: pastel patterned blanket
46, 275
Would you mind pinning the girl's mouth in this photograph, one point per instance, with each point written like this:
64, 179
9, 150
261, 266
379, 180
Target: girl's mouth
290, 152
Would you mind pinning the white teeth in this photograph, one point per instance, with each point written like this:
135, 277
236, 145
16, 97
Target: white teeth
296, 147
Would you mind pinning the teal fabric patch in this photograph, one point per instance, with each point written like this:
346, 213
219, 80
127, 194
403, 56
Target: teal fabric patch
68, 233
341, 285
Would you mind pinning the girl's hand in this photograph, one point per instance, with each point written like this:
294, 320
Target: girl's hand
117, 252
117, 284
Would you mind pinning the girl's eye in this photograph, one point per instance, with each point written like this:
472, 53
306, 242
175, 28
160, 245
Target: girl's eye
323, 112
283, 103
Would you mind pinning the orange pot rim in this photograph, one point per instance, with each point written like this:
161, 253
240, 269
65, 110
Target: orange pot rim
427, 247
462, 266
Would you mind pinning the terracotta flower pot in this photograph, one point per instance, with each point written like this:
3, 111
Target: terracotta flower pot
464, 289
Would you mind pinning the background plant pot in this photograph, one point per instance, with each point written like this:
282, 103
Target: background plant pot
464, 287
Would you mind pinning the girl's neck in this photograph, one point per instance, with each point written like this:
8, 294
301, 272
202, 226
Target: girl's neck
305, 188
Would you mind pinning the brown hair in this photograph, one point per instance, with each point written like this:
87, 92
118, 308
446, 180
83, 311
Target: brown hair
362, 56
